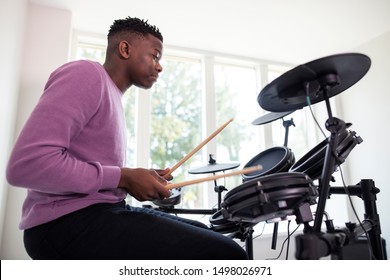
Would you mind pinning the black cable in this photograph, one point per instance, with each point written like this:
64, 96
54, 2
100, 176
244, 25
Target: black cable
281, 249
314, 118
288, 239
261, 233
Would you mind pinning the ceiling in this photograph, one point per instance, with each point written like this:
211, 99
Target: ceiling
288, 31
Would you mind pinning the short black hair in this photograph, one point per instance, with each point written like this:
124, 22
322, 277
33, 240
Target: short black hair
135, 25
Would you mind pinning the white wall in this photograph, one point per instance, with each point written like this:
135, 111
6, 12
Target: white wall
12, 23
367, 106
46, 45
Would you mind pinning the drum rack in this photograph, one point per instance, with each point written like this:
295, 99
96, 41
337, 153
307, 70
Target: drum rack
308, 84
334, 240
173, 210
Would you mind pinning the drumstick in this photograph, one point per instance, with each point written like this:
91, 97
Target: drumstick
215, 177
197, 148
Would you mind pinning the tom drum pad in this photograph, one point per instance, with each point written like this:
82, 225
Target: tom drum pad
273, 160
313, 162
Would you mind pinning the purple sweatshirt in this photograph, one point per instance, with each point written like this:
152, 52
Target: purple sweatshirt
70, 151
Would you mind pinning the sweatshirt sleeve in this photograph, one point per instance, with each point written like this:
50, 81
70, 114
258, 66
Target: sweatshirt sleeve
42, 159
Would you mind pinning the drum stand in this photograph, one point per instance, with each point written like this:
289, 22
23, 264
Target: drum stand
245, 234
286, 125
314, 244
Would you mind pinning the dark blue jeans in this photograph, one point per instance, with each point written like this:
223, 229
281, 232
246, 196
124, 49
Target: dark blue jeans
118, 231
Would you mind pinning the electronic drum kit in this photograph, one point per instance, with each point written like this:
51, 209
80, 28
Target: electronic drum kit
286, 188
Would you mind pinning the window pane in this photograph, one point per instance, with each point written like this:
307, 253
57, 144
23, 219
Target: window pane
176, 122
128, 101
297, 139
235, 91
91, 51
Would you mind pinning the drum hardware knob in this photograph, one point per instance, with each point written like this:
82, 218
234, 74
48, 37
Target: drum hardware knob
211, 159
329, 81
335, 125
220, 189
259, 186
350, 226
357, 137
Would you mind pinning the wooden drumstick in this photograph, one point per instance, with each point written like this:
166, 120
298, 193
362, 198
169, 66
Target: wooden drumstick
215, 177
197, 148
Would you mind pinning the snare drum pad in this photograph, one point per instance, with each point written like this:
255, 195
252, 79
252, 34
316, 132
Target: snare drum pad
269, 197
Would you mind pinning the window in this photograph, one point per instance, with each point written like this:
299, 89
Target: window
235, 94
176, 121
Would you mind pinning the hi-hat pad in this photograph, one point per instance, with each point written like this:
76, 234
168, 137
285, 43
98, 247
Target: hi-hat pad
214, 167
